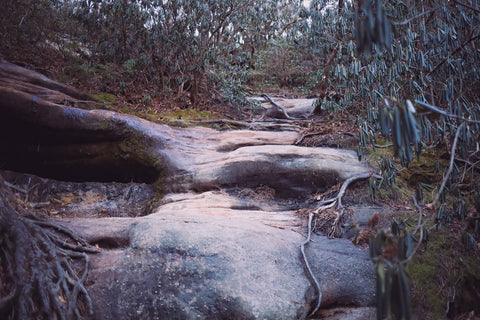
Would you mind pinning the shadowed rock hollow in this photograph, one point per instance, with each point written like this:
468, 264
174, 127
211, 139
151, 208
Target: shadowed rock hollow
213, 246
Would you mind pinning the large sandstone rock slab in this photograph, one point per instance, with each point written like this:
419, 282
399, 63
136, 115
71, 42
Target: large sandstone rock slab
187, 261
211, 250
345, 272
289, 169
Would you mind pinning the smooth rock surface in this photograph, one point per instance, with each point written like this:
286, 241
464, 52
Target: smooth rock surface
345, 272
291, 170
196, 266
212, 261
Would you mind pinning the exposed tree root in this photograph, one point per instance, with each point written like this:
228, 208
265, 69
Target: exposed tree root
336, 202
43, 268
326, 204
307, 264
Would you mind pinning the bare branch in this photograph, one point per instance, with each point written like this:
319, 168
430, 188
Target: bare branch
444, 113
467, 6
458, 49
338, 199
419, 227
401, 23
450, 168
14, 187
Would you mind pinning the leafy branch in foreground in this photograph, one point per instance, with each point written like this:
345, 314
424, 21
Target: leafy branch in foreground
391, 250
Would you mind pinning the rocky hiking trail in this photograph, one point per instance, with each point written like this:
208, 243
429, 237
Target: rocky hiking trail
190, 223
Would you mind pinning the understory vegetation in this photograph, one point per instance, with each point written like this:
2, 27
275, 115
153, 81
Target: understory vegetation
406, 73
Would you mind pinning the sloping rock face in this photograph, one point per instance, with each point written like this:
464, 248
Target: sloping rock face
205, 256
224, 241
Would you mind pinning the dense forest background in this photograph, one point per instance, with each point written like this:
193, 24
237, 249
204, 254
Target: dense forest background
403, 71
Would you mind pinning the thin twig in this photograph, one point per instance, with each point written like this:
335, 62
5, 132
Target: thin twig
452, 159
307, 264
14, 187
470, 39
419, 227
444, 113
400, 23
224, 121
253, 125
36, 205
384, 145
472, 165
23, 18
289, 121
85, 101
467, 6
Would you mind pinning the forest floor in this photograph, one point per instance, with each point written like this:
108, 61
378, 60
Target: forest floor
444, 274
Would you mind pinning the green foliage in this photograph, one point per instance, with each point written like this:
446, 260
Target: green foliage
230, 84
447, 212
26, 24
400, 124
177, 43
388, 170
172, 44
280, 64
115, 29
372, 27
429, 55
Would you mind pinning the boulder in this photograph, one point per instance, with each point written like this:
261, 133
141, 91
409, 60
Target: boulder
197, 257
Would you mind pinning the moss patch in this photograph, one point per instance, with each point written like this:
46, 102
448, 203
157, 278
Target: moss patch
444, 275
186, 114
178, 118
104, 97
